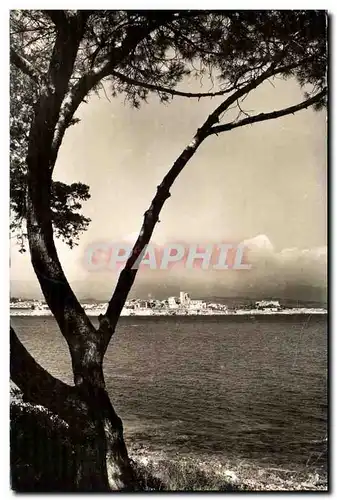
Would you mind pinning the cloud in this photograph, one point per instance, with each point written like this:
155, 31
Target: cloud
260, 242
260, 248
285, 269
307, 254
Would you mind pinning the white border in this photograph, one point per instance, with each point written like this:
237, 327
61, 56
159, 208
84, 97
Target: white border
4, 184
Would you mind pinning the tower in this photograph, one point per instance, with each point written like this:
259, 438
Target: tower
184, 298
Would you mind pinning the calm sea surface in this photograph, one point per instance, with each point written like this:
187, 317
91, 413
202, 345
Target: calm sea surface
252, 389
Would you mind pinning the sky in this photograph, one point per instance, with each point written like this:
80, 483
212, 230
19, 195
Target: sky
263, 184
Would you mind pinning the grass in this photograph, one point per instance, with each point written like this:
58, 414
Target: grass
182, 475
188, 474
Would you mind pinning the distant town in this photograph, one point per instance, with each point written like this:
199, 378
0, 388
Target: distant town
172, 306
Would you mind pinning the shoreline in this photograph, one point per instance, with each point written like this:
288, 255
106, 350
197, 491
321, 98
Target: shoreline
174, 471
181, 473
151, 313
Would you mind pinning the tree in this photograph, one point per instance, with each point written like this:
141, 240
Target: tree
58, 58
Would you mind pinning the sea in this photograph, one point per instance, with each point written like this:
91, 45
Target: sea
250, 389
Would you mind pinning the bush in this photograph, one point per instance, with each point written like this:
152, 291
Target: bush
41, 455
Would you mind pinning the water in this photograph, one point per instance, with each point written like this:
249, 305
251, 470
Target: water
252, 389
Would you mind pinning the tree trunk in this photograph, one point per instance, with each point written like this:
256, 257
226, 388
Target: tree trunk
95, 430
102, 462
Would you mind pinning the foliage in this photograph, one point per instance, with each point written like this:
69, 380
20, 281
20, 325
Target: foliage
42, 453
228, 48
65, 199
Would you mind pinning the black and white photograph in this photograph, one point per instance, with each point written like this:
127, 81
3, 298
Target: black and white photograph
168, 220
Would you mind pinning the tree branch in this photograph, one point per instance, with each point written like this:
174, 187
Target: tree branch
58, 17
268, 116
93, 77
151, 216
89, 80
37, 385
25, 66
159, 88
127, 276
72, 101
272, 70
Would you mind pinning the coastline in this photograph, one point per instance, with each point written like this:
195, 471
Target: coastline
184, 472
149, 312
164, 471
